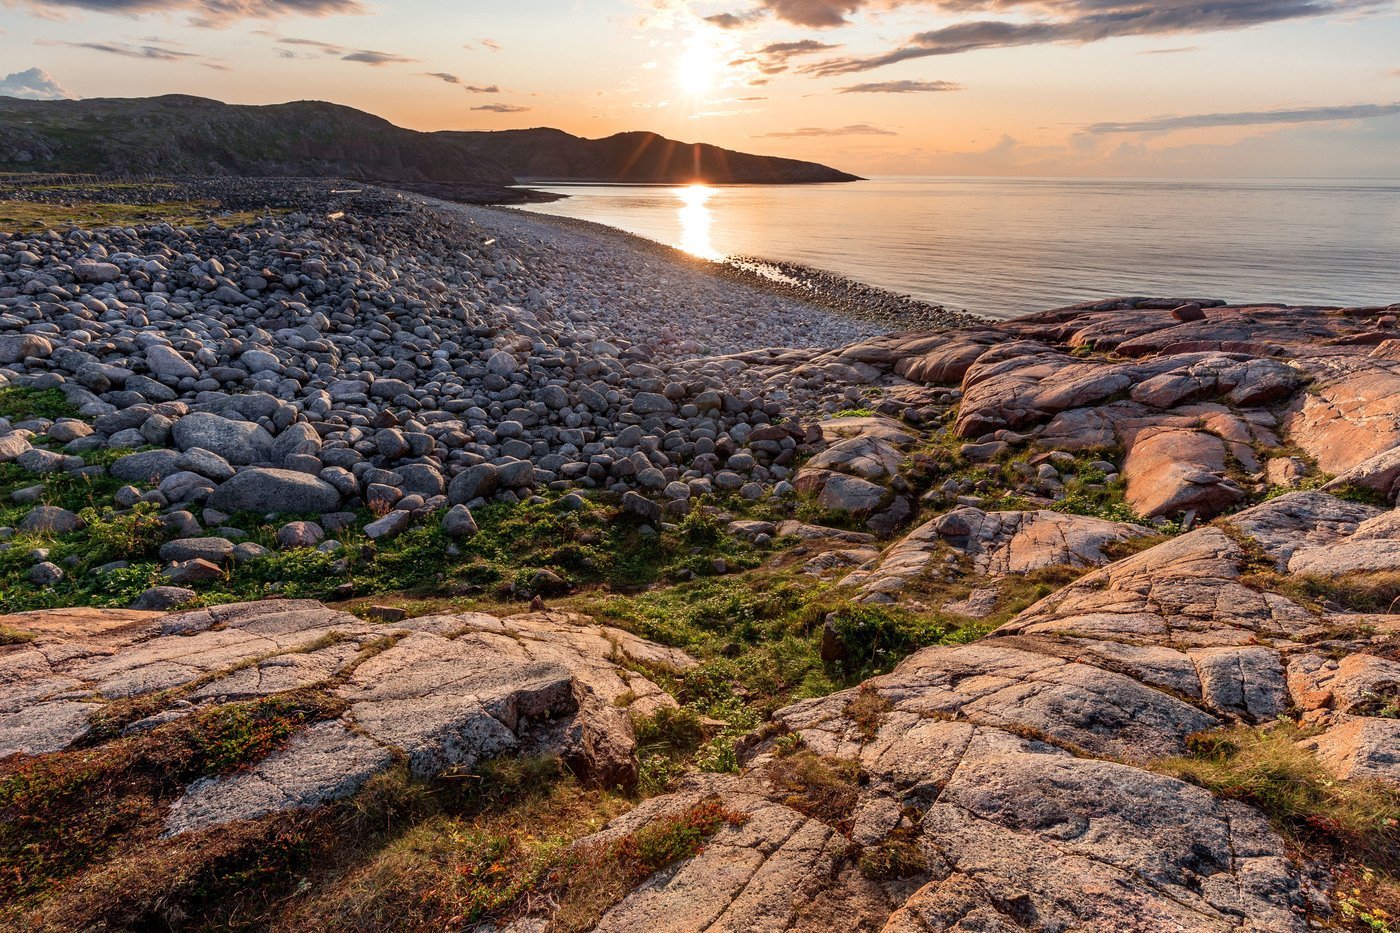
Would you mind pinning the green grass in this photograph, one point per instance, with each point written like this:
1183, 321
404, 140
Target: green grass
592, 547
19, 404
1267, 768
22, 216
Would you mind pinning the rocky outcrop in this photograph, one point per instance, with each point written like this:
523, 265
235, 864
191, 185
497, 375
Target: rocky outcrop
993, 545
443, 692
1009, 772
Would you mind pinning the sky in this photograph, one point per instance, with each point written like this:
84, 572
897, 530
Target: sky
1178, 88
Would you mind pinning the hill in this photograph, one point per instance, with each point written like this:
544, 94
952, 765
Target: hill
180, 135
183, 135
545, 154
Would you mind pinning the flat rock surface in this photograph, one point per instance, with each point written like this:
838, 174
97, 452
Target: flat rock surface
441, 691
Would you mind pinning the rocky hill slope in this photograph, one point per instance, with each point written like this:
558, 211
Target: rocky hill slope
391, 565
545, 154
181, 135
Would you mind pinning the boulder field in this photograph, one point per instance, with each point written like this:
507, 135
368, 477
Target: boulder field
1121, 528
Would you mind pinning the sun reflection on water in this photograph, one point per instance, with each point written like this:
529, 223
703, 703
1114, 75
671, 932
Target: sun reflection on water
695, 221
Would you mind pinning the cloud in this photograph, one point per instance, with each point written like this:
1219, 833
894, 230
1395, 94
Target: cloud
376, 59
1249, 118
776, 57
900, 87
326, 47
502, 108
734, 20
34, 84
469, 88
1175, 51
819, 14
1084, 21
801, 47
490, 45
152, 52
210, 13
855, 129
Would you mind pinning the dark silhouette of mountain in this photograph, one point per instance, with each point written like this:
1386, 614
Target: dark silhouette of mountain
545, 154
181, 135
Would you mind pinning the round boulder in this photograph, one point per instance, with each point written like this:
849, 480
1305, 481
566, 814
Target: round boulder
266, 489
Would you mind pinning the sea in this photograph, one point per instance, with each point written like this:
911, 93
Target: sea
1002, 247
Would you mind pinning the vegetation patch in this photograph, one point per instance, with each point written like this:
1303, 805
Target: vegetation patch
819, 786
897, 856
593, 878
25, 215
1267, 768
867, 710
19, 403
1354, 592
63, 812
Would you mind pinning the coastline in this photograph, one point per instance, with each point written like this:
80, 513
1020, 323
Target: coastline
458, 513
836, 293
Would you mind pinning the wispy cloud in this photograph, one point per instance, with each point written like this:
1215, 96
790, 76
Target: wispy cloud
209, 13
855, 129
1249, 118
502, 108
776, 57
469, 88
490, 45
34, 84
326, 47
1176, 51
157, 53
900, 87
376, 59
1063, 21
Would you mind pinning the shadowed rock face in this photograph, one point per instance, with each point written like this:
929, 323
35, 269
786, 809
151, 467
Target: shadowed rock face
441, 691
1011, 764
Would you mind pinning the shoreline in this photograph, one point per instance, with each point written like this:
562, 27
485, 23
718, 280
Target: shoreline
832, 291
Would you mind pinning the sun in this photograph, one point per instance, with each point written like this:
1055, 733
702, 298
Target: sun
698, 70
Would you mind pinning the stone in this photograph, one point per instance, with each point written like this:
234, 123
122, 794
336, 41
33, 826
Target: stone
390, 526
192, 571
205, 463
148, 466
214, 550
50, 519
844, 493
164, 598
475, 482
266, 489
238, 442
300, 534
641, 507
45, 573
457, 522
165, 361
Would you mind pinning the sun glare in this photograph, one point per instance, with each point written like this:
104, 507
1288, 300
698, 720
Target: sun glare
695, 221
698, 69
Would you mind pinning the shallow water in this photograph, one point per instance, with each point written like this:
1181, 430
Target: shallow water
1007, 246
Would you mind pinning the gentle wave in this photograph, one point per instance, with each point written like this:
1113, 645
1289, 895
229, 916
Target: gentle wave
1007, 246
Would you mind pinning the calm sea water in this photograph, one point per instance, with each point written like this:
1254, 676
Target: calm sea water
1007, 246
